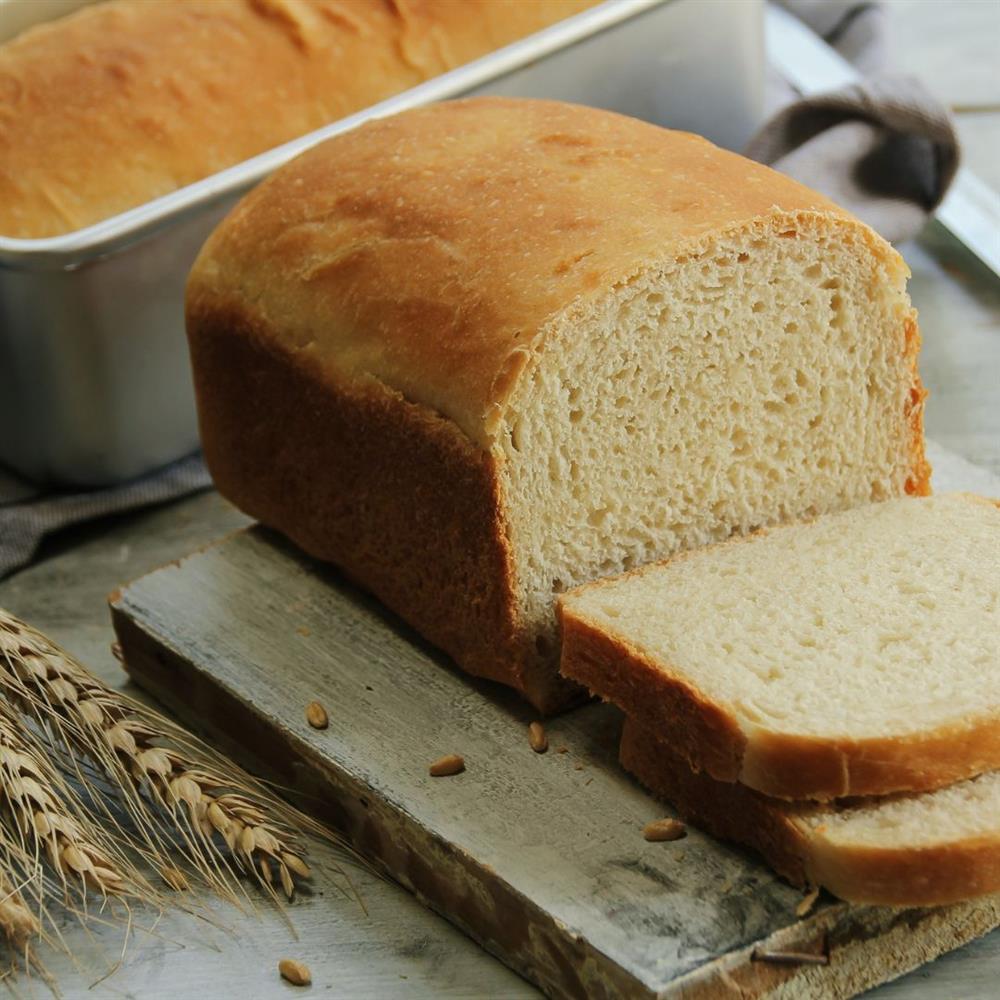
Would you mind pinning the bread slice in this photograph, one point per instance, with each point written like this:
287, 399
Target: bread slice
857, 654
915, 849
485, 351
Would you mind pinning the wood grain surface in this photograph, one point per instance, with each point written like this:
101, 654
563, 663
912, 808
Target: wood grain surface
539, 857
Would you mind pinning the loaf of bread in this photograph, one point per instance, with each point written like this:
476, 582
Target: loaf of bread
485, 351
127, 100
922, 849
858, 654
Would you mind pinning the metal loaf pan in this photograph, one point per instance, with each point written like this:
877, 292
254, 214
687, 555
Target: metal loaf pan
95, 385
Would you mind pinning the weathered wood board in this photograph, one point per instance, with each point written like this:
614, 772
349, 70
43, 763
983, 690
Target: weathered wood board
538, 857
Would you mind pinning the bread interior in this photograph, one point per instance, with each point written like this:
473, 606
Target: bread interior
766, 377
868, 624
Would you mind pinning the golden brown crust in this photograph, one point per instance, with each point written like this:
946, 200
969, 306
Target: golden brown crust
727, 810
487, 219
129, 100
919, 481
610, 667
799, 767
709, 736
388, 491
928, 876
893, 876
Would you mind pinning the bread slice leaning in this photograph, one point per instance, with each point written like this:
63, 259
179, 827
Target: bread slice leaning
920, 849
857, 654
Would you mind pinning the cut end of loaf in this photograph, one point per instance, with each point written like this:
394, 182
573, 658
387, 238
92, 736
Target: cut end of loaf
767, 375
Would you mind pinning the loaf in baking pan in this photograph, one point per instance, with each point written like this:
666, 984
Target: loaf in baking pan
917, 849
857, 654
127, 100
482, 352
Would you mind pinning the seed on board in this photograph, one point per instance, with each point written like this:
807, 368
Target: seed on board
537, 738
453, 763
664, 829
807, 902
316, 715
295, 972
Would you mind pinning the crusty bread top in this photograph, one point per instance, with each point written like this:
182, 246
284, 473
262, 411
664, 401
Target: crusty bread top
128, 100
429, 250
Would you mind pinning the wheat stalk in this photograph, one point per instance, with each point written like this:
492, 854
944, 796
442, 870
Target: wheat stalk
21, 920
18, 923
50, 845
151, 760
49, 820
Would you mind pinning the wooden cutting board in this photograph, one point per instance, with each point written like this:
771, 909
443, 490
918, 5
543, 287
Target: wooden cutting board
539, 857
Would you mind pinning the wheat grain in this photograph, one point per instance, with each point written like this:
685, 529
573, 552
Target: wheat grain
807, 903
446, 766
295, 972
537, 739
316, 715
50, 847
150, 759
664, 829
49, 820
18, 923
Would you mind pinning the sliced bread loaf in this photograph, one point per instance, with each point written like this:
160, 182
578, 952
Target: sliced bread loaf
917, 849
488, 350
856, 654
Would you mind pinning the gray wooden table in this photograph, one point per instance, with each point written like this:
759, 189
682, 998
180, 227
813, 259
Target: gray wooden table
399, 949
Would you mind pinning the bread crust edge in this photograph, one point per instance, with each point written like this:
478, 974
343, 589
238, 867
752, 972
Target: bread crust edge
781, 765
324, 462
904, 876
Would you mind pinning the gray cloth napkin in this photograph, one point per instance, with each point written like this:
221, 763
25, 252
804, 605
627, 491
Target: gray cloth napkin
883, 148
27, 516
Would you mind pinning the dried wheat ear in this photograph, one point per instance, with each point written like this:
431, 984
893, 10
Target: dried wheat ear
46, 819
181, 796
52, 848
17, 922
